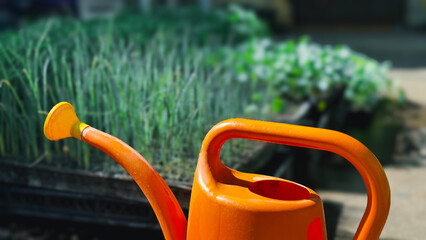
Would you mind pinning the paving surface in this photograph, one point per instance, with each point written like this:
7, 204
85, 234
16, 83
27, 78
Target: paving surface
407, 217
413, 81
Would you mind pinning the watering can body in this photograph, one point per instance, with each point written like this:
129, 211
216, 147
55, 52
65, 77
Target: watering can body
233, 205
254, 211
228, 204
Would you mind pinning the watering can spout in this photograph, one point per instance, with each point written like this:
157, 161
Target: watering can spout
62, 122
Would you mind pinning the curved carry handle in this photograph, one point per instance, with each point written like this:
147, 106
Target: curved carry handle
355, 152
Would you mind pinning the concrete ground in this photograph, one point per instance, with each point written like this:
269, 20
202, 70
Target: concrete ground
407, 217
413, 80
342, 190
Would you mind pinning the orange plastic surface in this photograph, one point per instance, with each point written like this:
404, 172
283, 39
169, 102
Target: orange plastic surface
166, 207
224, 207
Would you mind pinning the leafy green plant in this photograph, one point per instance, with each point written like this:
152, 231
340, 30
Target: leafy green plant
305, 71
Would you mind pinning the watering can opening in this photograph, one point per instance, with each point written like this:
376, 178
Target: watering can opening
280, 190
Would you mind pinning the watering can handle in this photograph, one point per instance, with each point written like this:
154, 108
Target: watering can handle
365, 162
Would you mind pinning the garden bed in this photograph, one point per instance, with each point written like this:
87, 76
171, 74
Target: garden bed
159, 90
135, 77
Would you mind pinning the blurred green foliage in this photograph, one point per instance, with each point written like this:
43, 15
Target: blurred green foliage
302, 70
160, 81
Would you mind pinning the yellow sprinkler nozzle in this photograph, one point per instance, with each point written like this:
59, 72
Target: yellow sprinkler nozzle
62, 122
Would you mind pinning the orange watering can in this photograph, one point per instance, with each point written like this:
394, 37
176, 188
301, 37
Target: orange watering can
227, 204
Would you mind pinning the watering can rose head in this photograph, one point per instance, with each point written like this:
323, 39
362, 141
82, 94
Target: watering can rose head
62, 122
228, 204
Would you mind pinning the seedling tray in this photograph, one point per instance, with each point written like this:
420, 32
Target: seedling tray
89, 197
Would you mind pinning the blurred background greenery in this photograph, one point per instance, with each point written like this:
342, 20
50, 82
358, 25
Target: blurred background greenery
140, 76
